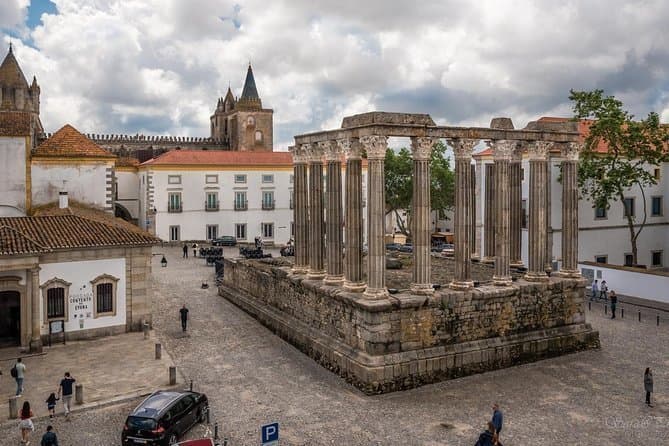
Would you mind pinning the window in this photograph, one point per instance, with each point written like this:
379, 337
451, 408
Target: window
211, 203
602, 259
240, 179
174, 202
175, 233
656, 206
240, 231
268, 230
212, 232
523, 217
268, 178
628, 205
600, 213
258, 136
104, 299
55, 295
522, 174
174, 179
211, 179
241, 204
656, 174
292, 199
268, 200
656, 258
629, 259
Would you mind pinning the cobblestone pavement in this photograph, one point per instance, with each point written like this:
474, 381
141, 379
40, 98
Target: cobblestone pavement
253, 377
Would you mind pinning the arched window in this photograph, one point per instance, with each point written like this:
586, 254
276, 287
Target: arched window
104, 295
258, 136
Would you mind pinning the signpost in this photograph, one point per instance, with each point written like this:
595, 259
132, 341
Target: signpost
269, 434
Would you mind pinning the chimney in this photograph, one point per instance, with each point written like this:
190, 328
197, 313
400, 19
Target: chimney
62, 199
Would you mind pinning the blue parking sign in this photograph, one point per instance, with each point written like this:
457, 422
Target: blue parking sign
269, 433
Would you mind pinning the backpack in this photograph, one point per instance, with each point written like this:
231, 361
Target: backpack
14, 372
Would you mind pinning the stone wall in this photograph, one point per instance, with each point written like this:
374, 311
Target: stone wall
408, 340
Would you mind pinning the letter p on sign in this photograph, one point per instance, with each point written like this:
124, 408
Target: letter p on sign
269, 434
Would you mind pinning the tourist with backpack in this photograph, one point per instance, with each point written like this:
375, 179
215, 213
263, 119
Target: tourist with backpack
18, 373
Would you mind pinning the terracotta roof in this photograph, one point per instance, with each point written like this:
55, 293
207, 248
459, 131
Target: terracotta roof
127, 161
25, 235
15, 124
220, 157
68, 142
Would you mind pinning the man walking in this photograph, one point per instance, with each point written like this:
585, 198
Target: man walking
20, 368
614, 302
184, 317
185, 252
603, 289
595, 290
497, 419
49, 438
65, 389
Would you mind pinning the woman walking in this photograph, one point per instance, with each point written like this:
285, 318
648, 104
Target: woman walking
26, 424
648, 385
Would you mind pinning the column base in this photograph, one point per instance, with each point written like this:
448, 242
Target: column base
486, 259
376, 293
501, 280
516, 264
475, 256
568, 274
299, 270
334, 280
354, 287
461, 285
36, 346
536, 277
315, 274
423, 289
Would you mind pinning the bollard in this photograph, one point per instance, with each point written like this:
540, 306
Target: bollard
13, 408
159, 350
622, 313
658, 320
79, 394
216, 430
605, 308
589, 306
225, 442
191, 385
639, 315
208, 416
173, 375
145, 329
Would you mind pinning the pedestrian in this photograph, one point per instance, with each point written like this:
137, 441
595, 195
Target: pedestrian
595, 290
26, 424
614, 302
603, 289
49, 438
194, 249
487, 437
184, 317
18, 372
65, 389
648, 385
51, 405
497, 419
185, 250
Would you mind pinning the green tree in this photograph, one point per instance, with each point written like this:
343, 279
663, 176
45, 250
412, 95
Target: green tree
632, 147
399, 186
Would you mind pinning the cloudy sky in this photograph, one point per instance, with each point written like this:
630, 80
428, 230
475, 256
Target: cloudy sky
158, 66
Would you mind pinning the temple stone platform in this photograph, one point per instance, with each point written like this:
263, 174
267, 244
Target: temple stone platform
407, 340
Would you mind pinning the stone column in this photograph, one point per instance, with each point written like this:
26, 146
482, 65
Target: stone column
472, 211
538, 155
36, 336
421, 148
515, 203
376, 258
316, 213
353, 227
502, 152
333, 220
570, 211
463, 209
479, 192
300, 210
548, 256
489, 215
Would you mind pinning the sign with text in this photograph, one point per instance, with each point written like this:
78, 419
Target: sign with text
269, 434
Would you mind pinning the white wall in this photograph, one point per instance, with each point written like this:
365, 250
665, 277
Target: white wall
631, 283
128, 190
80, 274
12, 176
86, 183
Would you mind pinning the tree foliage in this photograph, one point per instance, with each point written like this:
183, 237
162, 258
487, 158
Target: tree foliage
605, 176
399, 185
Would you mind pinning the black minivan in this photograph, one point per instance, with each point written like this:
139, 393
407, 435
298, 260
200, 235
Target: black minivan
163, 417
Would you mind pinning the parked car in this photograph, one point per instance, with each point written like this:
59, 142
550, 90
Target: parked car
438, 247
393, 246
448, 251
408, 247
163, 417
226, 240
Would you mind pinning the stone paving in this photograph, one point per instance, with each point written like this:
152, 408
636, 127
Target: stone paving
253, 377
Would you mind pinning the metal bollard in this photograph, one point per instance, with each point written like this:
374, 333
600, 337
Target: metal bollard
225, 442
159, 350
605, 308
622, 313
589, 306
145, 329
658, 320
79, 394
191, 385
208, 416
639, 315
13, 408
216, 430
173, 375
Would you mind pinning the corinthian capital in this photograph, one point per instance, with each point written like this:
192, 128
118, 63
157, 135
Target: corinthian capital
330, 149
299, 155
350, 147
421, 147
503, 149
463, 147
571, 150
313, 152
375, 146
538, 150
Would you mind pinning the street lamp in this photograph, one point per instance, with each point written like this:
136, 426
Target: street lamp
163, 261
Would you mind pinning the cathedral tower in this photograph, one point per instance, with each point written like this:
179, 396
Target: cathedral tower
15, 93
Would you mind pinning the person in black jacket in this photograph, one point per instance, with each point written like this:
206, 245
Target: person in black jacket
49, 438
488, 436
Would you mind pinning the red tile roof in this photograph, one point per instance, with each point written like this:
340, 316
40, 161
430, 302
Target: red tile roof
127, 161
15, 124
220, 157
68, 142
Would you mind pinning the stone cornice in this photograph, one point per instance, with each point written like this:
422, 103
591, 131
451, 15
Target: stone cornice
375, 146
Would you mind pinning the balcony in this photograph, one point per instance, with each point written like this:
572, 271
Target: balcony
268, 205
174, 208
241, 205
211, 206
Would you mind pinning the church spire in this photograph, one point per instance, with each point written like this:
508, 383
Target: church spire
250, 97
10, 72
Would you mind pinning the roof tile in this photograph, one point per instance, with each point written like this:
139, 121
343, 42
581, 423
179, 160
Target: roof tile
68, 142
